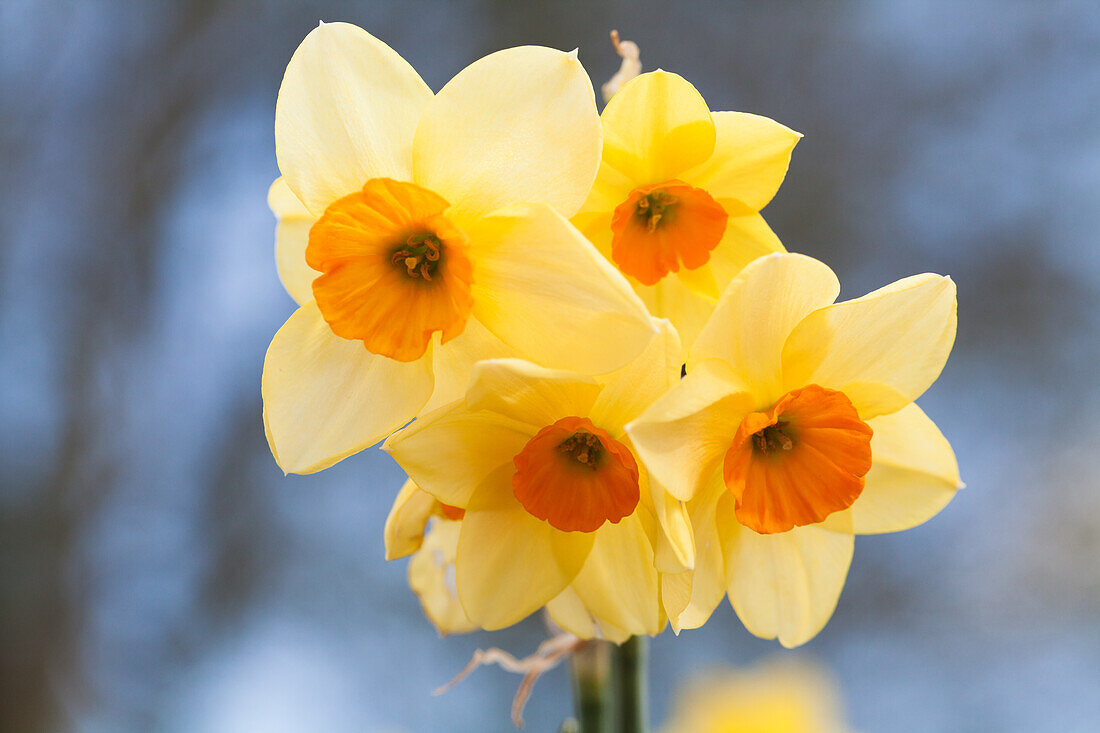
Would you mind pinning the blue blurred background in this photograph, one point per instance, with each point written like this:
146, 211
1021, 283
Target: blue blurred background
159, 572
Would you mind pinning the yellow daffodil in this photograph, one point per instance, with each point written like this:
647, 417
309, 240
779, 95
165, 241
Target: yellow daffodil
422, 232
772, 697
420, 526
794, 429
557, 510
675, 205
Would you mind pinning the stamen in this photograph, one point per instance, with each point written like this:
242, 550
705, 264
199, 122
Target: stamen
585, 448
772, 438
651, 207
419, 255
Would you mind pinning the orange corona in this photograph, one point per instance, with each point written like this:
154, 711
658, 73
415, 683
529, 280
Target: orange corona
662, 227
394, 269
798, 462
575, 476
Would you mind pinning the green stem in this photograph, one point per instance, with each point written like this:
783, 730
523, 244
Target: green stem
630, 671
592, 683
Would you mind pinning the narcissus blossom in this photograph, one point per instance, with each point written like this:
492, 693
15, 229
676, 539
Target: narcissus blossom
676, 203
422, 232
557, 509
794, 429
420, 526
772, 697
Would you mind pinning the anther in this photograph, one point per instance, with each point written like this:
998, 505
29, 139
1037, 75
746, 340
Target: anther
419, 255
584, 447
651, 207
772, 438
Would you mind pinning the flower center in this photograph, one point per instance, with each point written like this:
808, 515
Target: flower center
662, 227
395, 270
772, 438
419, 256
575, 476
584, 447
799, 461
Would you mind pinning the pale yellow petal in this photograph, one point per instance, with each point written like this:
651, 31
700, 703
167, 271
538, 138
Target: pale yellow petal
751, 155
432, 579
326, 398
543, 289
567, 611
347, 111
786, 585
656, 127
675, 550
454, 361
628, 391
747, 237
451, 451
404, 530
293, 222
672, 299
756, 314
619, 582
882, 350
529, 393
698, 592
516, 126
509, 563
683, 437
674, 544
611, 188
913, 476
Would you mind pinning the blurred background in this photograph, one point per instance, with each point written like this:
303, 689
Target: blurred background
160, 574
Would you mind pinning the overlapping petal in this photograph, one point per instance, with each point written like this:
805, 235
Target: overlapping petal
450, 452
293, 221
914, 474
529, 393
690, 597
756, 314
453, 362
509, 564
655, 127
347, 111
431, 578
882, 350
628, 391
544, 290
786, 585
750, 158
618, 582
519, 125
569, 612
326, 398
404, 530
683, 437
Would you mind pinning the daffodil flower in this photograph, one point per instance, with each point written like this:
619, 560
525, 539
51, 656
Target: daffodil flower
794, 429
420, 526
676, 203
777, 696
557, 510
422, 232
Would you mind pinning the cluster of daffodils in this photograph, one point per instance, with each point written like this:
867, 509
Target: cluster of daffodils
616, 396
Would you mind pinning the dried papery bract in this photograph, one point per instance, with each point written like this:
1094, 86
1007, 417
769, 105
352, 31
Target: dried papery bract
631, 66
549, 654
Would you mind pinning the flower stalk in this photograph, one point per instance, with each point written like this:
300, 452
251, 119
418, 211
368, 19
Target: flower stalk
609, 687
630, 672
